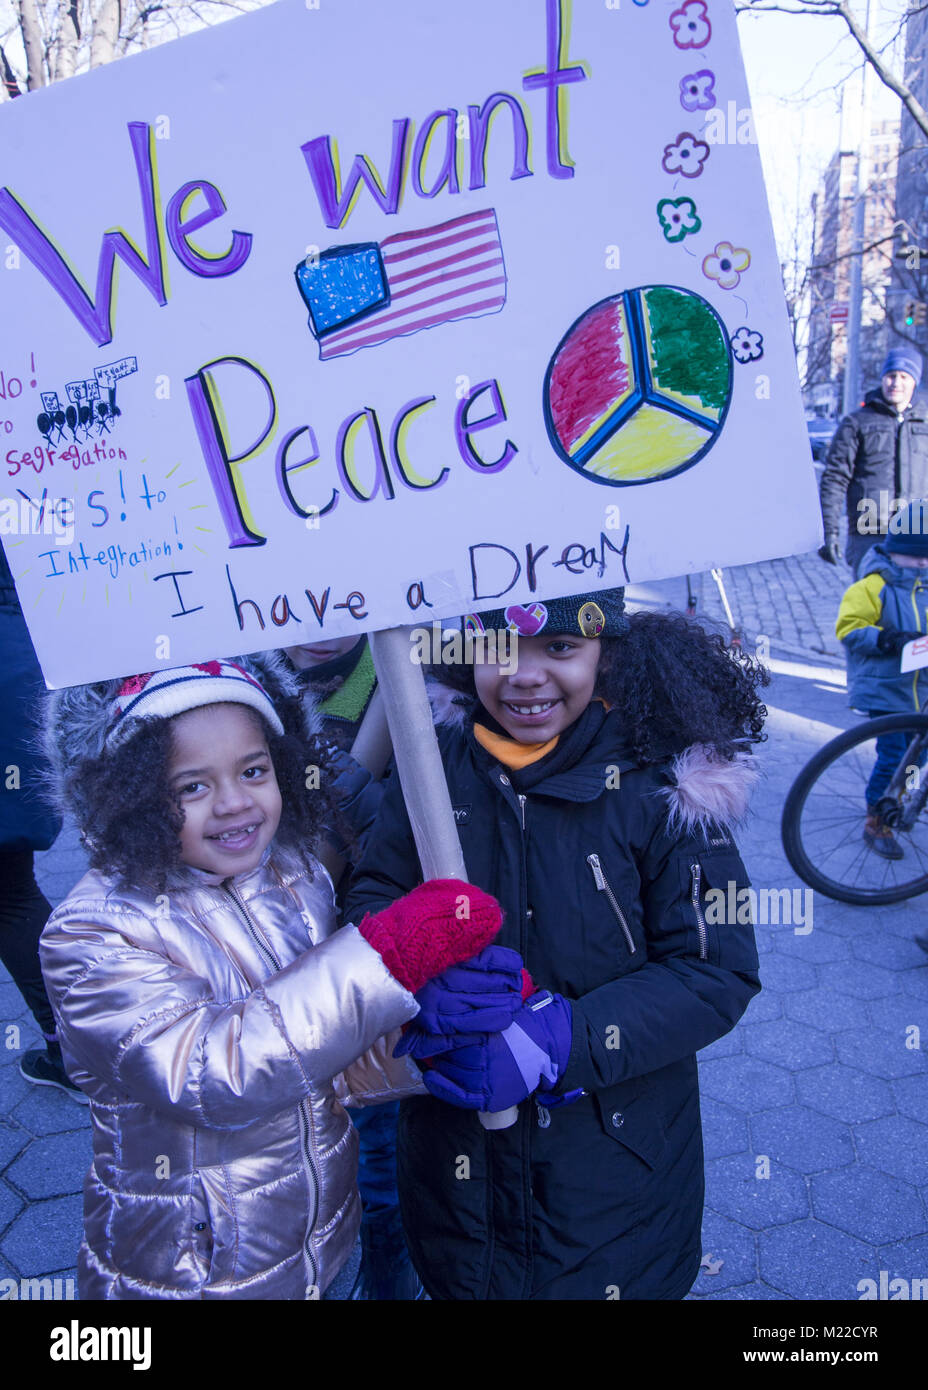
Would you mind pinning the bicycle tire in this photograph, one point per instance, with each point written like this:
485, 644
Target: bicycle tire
802, 859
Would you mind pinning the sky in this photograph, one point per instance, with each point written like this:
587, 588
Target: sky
796, 67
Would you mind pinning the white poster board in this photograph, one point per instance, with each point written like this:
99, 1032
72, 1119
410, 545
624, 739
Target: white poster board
540, 347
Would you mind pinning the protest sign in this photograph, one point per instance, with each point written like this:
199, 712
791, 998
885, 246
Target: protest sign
344, 316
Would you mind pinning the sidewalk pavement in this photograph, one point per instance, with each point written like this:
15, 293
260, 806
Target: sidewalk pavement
815, 1107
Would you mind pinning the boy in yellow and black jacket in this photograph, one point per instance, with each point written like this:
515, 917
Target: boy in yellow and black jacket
884, 609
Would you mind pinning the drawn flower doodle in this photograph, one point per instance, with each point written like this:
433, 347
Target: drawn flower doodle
697, 90
690, 25
746, 345
686, 157
726, 264
678, 218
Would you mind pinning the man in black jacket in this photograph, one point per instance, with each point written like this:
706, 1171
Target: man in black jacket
877, 462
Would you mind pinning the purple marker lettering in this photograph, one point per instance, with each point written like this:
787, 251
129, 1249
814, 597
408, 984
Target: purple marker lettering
448, 173
464, 426
96, 315
336, 207
551, 79
180, 229
221, 464
479, 119
408, 474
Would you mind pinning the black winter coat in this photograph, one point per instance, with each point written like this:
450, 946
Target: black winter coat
873, 452
601, 1198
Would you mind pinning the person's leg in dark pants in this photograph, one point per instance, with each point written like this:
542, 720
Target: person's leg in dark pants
24, 910
386, 1270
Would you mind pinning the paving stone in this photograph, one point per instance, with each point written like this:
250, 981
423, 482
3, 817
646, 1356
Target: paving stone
734, 1190
788, 974
912, 1098
858, 979
746, 1292
764, 1006
13, 1138
895, 1145
788, 1043
844, 1093
52, 1166
815, 948
809, 1260
880, 1053
899, 1013
915, 982
728, 1045
13, 1088
733, 1244
10, 1203
825, 1008
907, 1259
889, 952
724, 1131
746, 1082
45, 1236
46, 1110
802, 1139
868, 1204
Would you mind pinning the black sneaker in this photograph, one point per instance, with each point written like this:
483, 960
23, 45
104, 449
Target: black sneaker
42, 1069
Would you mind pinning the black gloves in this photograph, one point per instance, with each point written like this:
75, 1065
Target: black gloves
890, 640
831, 550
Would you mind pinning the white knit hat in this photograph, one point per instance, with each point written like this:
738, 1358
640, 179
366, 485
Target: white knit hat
163, 694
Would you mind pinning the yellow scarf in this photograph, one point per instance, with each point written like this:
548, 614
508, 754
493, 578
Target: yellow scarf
509, 751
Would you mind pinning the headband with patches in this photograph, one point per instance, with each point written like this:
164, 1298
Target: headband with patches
583, 615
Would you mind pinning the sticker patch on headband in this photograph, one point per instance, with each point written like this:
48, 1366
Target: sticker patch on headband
473, 623
592, 620
528, 622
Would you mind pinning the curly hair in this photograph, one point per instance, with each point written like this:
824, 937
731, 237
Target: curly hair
674, 682
677, 683
131, 819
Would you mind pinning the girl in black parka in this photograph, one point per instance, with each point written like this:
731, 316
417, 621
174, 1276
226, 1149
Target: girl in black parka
595, 788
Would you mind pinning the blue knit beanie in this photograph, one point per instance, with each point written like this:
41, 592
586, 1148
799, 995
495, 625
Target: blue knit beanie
904, 359
908, 530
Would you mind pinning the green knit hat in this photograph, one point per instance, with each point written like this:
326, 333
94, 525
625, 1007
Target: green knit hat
585, 615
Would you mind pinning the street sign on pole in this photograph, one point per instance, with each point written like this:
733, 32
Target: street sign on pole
838, 313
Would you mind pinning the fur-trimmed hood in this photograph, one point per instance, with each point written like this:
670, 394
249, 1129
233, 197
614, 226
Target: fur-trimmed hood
709, 790
75, 719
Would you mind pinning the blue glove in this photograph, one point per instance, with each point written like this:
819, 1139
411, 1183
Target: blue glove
481, 995
497, 1070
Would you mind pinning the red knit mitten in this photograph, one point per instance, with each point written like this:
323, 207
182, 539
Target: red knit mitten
440, 923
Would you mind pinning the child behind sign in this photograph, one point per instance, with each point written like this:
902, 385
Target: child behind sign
597, 785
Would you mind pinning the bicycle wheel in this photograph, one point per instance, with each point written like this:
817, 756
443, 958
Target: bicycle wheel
824, 813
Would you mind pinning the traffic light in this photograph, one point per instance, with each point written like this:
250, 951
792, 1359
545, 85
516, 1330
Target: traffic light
915, 312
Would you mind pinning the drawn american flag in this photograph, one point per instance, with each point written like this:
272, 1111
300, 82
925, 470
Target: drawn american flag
430, 276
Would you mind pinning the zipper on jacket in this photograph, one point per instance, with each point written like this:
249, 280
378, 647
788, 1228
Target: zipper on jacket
602, 885
696, 873
259, 940
522, 800
306, 1145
